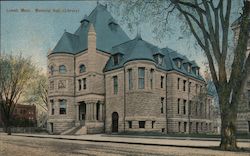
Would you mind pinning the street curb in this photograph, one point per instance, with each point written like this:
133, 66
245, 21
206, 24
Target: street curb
121, 142
172, 138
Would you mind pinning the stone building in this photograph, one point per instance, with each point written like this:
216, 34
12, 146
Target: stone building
243, 117
102, 81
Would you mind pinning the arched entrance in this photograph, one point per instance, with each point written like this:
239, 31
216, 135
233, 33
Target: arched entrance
115, 119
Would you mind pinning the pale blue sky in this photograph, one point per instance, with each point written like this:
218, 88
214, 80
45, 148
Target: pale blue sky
33, 33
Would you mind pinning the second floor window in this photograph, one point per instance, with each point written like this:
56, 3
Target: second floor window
62, 69
82, 68
184, 106
162, 103
115, 84
151, 78
162, 81
84, 81
178, 106
52, 107
63, 106
141, 76
130, 79
178, 83
184, 85
189, 86
79, 84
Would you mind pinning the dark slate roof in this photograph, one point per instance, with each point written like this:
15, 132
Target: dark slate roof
108, 35
211, 88
138, 49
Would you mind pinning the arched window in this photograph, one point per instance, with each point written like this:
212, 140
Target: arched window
82, 68
62, 69
51, 69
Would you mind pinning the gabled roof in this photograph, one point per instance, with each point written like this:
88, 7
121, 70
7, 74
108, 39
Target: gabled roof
106, 36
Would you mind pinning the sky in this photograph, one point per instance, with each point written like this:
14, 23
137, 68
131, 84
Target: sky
34, 33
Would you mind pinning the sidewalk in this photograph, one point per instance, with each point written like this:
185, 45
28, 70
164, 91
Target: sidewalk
136, 141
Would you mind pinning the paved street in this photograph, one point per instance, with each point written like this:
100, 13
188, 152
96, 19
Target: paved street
26, 146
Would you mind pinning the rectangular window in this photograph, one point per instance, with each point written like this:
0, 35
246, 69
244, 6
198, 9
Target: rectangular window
196, 88
201, 89
52, 107
197, 127
129, 124
178, 106
248, 126
184, 85
184, 106
196, 108
185, 126
189, 86
79, 84
189, 107
116, 59
115, 84
141, 76
153, 124
62, 103
178, 83
179, 126
141, 124
162, 103
190, 127
162, 81
151, 78
84, 81
130, 79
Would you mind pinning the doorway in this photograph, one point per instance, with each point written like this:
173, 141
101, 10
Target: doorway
82, 113
115, 119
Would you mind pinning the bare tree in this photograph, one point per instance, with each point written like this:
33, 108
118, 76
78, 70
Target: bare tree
15, 72
209, 23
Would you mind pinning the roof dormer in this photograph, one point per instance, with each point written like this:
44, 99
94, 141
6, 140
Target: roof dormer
178, 62
158, 58
112, 24
117, 57
85, 20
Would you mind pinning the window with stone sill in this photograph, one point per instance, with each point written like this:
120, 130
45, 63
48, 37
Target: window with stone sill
115, 84
84, 81
82, 68
184, 106
62, 69
130, 79
178, 106
63, 106
184, 85
162, 103
141, 77
129, 124
151, 78
162, 81
178, 83
142, 124
79, 84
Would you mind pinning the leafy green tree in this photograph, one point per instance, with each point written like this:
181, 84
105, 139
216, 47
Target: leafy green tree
15, 72
209, 23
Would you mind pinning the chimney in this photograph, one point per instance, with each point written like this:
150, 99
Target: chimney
91, 48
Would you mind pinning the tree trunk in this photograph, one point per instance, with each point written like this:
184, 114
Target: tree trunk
228, 129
